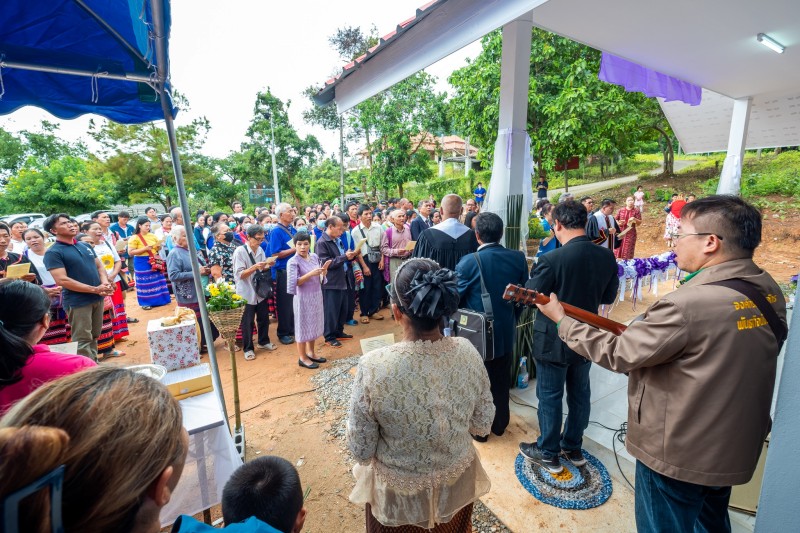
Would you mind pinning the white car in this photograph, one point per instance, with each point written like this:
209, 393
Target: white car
27, 218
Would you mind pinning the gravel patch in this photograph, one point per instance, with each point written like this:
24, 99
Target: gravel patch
333, 400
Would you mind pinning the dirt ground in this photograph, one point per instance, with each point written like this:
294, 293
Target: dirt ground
278, 405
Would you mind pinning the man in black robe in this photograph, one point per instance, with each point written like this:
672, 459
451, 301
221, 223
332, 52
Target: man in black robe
450, 240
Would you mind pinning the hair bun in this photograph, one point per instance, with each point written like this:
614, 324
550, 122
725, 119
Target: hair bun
434, 293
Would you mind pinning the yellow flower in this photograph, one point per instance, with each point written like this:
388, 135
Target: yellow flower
213, 291
237, 297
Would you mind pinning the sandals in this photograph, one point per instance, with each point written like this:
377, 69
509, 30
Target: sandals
316, 359
115, 353
376, 317
312, 366
249, 355
133, 320
146, 308
364, 320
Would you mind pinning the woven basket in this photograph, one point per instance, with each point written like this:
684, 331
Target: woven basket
227, 321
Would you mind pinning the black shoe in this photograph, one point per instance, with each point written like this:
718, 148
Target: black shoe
317, 359
533, 454
311, 366
478, 438
334, 343
344, 336
286, 339
574, 456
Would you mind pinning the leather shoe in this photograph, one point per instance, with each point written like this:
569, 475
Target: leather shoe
344, 336
311, 366
480, 439
316, 359
334, 343
286, 340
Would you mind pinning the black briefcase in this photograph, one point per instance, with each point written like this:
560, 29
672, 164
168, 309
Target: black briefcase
476, 327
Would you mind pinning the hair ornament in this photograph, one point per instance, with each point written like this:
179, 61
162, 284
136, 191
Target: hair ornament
429, 289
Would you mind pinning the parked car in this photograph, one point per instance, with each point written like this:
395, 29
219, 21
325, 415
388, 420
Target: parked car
114, 215
27, 218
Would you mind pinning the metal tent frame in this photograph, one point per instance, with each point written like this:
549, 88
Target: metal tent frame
159, 81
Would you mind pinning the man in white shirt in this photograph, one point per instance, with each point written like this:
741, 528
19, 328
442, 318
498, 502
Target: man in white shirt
104, 220
155, 222
371, 263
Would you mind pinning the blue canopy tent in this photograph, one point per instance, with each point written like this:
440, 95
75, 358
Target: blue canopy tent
106, 57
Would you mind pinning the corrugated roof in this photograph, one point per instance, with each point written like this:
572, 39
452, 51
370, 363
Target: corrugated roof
326, 95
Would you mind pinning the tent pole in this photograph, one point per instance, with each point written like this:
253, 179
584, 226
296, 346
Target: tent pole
161, 54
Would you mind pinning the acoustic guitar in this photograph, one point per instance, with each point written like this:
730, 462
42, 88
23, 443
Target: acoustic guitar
529, 297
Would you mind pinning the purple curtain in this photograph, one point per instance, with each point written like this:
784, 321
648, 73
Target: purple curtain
635, 77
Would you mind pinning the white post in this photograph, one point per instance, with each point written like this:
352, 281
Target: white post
441, 165
777, 506
467, 162
274, 164
731, 177
515, 65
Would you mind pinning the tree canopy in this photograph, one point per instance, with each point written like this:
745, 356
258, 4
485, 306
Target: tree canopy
570, 111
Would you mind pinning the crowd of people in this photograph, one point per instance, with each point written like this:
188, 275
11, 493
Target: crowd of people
416, 405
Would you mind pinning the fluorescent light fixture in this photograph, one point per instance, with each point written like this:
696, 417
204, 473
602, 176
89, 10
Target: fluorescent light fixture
770, 43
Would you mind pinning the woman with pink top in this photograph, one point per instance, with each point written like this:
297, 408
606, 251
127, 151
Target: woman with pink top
26, 365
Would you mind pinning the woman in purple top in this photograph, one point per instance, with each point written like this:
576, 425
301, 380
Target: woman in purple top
26, 365
304, 276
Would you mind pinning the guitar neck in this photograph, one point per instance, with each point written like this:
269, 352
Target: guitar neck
529, 297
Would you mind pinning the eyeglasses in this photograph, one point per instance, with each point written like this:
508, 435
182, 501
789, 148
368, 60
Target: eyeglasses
677, 236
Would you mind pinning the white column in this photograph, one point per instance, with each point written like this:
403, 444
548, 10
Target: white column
467, 162
731, 177
777, 507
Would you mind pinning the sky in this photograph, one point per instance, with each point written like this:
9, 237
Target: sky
223, 53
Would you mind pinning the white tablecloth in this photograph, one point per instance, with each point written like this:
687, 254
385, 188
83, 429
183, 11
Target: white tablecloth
211, 460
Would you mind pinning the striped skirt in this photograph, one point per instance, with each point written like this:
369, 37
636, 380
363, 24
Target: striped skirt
59, 330
120, 321
151, 286
105, 343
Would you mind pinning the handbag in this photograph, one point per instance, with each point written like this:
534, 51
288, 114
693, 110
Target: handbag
374, 254
476, 327
262, 280
156, 263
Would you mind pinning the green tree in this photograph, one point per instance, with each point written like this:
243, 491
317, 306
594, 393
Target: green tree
34, 149
400, 117
350, 43
570, 111
292, 152
138, 156
69, 184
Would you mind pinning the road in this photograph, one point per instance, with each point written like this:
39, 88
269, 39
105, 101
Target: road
589, 188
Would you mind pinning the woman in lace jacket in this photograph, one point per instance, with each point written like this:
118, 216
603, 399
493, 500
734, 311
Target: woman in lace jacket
413, 408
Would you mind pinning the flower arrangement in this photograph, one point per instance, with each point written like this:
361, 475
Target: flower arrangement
222, 297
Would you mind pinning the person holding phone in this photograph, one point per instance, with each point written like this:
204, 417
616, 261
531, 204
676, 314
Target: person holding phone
305, 275
247, 260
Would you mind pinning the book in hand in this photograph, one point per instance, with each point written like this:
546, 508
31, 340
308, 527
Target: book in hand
18, 270
410, 245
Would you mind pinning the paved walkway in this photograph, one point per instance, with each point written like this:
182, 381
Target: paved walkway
589, 188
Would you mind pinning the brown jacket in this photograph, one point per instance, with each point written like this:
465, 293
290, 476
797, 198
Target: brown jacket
701, 376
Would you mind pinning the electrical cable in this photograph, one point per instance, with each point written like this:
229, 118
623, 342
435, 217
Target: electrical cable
321, 385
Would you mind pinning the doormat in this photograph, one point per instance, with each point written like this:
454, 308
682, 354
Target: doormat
575, 487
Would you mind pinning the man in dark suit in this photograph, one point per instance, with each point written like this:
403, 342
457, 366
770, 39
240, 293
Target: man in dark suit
500, 266
423, 221
335, 290
586, 275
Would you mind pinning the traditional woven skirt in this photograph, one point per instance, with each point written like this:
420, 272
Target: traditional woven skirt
151, 286
59, 330
105, 343
460, 523
120, 321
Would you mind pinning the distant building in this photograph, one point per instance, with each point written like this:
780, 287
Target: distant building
445, 149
